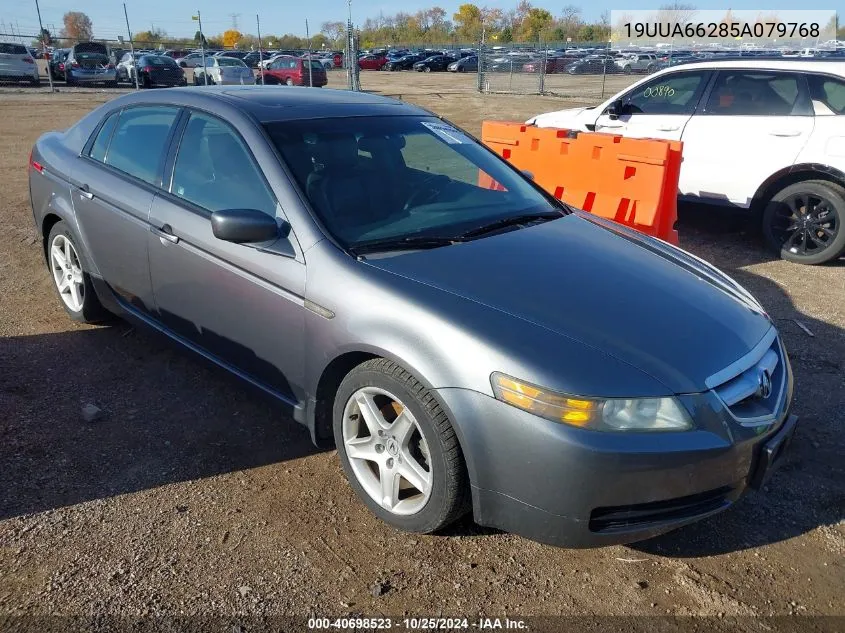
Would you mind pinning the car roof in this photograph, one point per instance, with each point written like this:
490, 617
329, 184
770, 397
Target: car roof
830, 66
268, 103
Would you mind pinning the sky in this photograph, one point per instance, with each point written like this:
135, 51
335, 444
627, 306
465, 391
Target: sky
277, 18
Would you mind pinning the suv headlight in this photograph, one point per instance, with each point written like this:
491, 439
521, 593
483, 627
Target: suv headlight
597, 414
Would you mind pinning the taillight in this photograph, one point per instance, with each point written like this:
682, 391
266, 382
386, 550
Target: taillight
110, 66
147, 69
28, 60
74, 65
35, 164
61, 66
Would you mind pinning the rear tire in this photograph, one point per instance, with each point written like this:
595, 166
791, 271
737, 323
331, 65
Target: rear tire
428, 451
426, 69
803, 222
78, 298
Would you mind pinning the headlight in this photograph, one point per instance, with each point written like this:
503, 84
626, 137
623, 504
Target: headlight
597, 414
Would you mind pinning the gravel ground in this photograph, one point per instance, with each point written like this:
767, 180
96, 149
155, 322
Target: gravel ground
191, 495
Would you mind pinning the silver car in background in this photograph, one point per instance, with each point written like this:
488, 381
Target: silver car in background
223, 71
17, 64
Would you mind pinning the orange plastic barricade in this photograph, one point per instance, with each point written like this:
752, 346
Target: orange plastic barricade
631, 181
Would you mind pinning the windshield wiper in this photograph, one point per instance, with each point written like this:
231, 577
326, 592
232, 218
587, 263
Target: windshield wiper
411, 242
513, 220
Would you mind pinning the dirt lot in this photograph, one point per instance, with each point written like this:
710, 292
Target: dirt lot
193, 496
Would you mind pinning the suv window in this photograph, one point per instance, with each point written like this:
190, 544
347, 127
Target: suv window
101, 143
139, 140
828, 91
677, 93
215, 171
761, 93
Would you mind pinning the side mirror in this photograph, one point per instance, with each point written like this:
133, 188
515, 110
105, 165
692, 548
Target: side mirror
244, 226
615, 109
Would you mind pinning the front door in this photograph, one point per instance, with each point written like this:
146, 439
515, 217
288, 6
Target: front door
241, 305
659, 108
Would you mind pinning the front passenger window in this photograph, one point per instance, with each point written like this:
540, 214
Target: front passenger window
670, 94
215, 171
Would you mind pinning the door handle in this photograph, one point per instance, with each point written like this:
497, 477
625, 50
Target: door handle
612, 127
165, 233
85, 192
785, 133
669, 128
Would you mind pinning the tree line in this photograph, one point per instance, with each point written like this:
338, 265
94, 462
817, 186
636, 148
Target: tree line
468, 25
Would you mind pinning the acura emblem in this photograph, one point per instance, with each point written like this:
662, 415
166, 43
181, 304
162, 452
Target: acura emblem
764, 388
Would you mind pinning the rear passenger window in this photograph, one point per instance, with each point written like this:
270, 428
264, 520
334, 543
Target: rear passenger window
827, 92
215, 171
758, 93
101, 143
139, 140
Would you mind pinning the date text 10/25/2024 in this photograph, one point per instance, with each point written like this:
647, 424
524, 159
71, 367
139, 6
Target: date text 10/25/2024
416, 624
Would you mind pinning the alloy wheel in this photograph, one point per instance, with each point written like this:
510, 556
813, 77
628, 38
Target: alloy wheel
806, 224
387, 452
67, 273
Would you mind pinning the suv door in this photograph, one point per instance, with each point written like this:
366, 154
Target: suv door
753, 122
239, 303
114, 181
659, 108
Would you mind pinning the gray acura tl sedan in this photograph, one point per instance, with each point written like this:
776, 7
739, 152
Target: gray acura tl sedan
463, 347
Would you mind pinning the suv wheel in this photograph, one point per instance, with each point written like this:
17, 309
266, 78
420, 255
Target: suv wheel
803, 222
398, 448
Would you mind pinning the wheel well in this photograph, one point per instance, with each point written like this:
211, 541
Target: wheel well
47, 225
330, 380
768, 189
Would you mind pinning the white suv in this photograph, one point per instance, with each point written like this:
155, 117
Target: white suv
16, 64
763, 135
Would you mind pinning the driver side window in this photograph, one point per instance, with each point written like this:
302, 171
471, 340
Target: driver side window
670, 94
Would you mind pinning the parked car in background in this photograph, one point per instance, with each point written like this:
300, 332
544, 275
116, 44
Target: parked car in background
338, 59
552, 65
295, 71
158, 70
372, 62
778, 123
233, 54
428, 346
191, 60
510, 63
433, 63
56, 65
223, 71
17, 64
406, 62
638, 63
594, 65
90, 63
468, 64
326, 62
269, 60
176, 53
125, 67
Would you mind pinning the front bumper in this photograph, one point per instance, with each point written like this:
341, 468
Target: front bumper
574, 488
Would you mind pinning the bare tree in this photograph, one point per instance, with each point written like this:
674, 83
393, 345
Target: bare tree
677, 12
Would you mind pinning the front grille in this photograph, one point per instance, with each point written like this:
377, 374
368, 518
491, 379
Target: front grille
642, 515
756, 395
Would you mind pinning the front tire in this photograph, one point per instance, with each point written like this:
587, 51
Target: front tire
398, 448
426, 69
66, 262
803, 222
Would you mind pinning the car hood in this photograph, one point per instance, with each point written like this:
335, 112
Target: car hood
647, 304
571, 118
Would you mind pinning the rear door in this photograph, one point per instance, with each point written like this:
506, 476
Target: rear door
241, 304
114, 183
660, 108
753, 122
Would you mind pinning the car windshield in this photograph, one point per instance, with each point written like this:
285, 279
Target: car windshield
229, 61
383, 178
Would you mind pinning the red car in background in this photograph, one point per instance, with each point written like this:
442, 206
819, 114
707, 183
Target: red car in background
338, 60
295, 71
553, 65
372, 62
